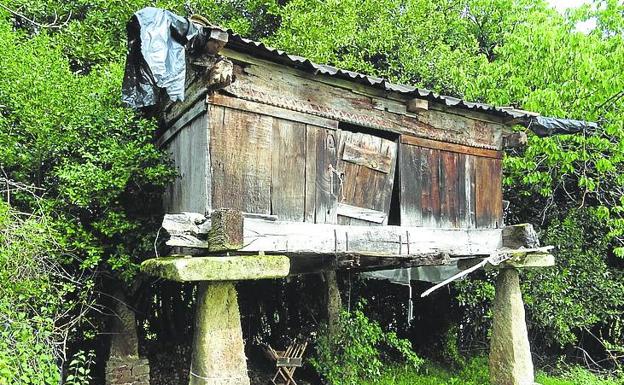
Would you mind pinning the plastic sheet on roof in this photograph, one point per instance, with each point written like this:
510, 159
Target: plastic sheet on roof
156, 56
543, 126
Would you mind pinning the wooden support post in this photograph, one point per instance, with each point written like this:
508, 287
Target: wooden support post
218, 351
522, 235
333, 302
226, 230
510, 354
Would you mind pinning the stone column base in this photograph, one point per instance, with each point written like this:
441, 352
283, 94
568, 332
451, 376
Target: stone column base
127, 371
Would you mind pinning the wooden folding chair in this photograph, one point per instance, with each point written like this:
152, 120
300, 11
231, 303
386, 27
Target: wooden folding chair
287, 361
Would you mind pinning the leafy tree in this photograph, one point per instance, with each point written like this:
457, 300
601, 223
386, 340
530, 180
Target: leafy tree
420, 42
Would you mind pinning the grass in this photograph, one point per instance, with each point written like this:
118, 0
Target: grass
475, 372
577, 376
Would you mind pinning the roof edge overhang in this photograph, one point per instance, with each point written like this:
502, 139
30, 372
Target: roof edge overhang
540, 125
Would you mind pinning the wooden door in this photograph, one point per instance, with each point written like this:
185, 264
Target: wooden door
365, 169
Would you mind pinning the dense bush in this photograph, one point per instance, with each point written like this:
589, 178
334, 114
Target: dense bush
358, 349
34, 325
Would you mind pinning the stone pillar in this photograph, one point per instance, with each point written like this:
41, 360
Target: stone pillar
124, 367
218, 350
510, 354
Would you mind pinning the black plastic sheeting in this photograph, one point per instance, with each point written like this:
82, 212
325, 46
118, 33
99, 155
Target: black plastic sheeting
156, 56
543, 126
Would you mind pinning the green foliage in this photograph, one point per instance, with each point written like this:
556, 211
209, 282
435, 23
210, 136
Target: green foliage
33, 286
358, 349
474, 372
68, 135
94, 32
451, 353
577, 376
581, 292
420, 42
80, 368
570, 297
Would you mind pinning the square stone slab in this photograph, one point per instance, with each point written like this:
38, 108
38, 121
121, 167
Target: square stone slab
218, 268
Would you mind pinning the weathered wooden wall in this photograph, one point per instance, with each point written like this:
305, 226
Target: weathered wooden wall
269, 165
265, 163
322, 150
449, 186
189, 150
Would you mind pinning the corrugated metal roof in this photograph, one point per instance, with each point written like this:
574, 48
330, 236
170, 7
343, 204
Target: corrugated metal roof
261, 50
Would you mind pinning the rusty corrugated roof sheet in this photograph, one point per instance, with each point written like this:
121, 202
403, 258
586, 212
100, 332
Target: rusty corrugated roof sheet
259, 49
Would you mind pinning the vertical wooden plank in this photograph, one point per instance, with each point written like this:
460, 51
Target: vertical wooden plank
435, 186
169, 197
188, 150
182, 161
443, 219
241, 161
310, 173
288, 170
410, 179
321, 178
431, 189
210, 111
449, 199
328, 180
386, 185
218, 160
216, 120
471, 175
484, 179
462, 189
497, 192
425, 197
197, 151
257, 182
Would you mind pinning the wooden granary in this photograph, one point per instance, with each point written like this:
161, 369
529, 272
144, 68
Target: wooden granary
290, 167
296, 146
